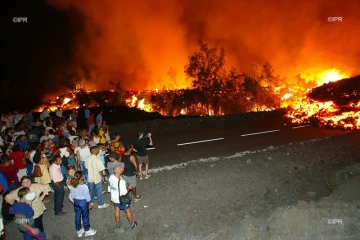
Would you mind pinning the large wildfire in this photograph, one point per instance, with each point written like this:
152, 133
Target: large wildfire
301, 107
344, 114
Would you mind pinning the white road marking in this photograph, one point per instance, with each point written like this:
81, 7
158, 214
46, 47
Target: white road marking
301, 126
277, 130
209, 140
152, 148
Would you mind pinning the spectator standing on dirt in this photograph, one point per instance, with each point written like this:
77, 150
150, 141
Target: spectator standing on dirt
119, 188
82, 205
95, 176
130, 170
58, 185
140, 145
41, 191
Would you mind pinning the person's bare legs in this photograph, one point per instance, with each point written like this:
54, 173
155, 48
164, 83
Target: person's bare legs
117, 214
129, 215
146, 169
140, 170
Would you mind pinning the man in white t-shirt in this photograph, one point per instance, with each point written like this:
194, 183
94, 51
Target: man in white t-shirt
59, 113
118, 184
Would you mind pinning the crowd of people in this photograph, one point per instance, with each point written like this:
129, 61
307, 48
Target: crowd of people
51, 153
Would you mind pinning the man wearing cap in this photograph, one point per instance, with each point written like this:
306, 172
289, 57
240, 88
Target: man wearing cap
131, 169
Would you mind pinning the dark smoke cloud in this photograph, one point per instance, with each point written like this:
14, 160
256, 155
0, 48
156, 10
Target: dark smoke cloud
138, 41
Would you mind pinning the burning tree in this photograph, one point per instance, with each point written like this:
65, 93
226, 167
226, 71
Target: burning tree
206, 68
230, 91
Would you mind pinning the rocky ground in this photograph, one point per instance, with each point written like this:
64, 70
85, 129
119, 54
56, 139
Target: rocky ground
282, 192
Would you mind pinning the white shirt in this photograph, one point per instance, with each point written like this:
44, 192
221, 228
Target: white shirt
48, 128
84, 153
43, 138
76, 149
63, 152
96, 140
71, 138
32, 156
16, 134
59, 113
18, 118
94, 165
46, 113
114, 188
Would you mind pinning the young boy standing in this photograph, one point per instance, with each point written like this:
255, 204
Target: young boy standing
24, 215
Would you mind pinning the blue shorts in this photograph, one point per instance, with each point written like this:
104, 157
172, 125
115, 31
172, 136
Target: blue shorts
122, 207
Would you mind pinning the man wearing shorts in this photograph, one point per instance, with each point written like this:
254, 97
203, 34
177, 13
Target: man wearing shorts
118, 188
130, 170
142, 155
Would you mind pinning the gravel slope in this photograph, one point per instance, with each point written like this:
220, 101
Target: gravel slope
245, 196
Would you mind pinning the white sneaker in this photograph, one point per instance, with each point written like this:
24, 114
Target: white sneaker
91, 232
80, 232
105, 205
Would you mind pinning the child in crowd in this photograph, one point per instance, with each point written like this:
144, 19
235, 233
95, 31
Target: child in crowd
82, 203
116, 145
71, 173
24, 215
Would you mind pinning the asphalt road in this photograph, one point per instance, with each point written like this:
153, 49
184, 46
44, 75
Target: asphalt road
167, 152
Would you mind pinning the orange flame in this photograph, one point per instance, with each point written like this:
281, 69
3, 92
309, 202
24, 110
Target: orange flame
326, 113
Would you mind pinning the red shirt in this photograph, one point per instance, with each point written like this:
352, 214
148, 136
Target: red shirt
60, 132
10, 173
54, 149
17, 157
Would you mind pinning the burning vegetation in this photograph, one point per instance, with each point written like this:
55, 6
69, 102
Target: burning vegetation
335, 104
215, 91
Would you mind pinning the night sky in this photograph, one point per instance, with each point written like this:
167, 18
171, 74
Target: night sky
137, 42
33, 51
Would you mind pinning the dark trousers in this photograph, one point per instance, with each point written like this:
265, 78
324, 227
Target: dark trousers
5, 211
28, 235
38, 223
81, 209
59, 197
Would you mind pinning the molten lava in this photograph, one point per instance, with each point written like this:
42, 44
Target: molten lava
326, 113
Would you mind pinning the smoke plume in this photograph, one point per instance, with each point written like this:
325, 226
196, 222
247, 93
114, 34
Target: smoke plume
138, 41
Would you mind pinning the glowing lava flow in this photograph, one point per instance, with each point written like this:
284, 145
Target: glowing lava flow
326, 113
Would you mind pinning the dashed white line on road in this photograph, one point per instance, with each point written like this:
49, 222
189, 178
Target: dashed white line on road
209, 140
249, 134
152, 148
301, 126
